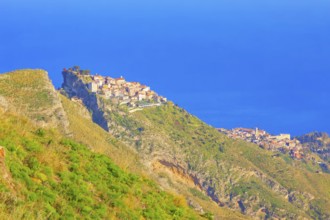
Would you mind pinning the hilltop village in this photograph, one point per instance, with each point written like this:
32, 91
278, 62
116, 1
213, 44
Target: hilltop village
132, 94
282, 142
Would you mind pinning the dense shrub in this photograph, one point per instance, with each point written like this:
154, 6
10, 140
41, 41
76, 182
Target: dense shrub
63, 179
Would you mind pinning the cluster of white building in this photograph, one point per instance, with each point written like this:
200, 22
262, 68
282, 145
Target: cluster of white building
120, 91
282, 142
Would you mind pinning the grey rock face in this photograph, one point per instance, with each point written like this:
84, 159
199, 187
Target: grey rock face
74, 86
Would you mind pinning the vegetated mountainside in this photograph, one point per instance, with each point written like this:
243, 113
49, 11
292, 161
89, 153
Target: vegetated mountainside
83, 129
47, 175
185, 154
235, 174
31, 93
317, 142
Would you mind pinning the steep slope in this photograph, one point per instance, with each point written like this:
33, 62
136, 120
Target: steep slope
235, 174
51, 177
185, 154
317, 142
85, 131
75, 86
76, 89
45, 175
101, 141
31, 93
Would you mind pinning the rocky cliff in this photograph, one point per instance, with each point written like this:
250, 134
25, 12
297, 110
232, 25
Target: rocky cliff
75, 87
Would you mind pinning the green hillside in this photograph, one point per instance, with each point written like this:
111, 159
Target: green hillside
48, 175
28, 90
103, 142
233, 173
31, 93
84, 130
185, 155
154, 163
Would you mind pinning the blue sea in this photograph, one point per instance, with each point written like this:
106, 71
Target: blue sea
232, 63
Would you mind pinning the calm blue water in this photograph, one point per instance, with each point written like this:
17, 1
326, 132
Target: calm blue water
232, 63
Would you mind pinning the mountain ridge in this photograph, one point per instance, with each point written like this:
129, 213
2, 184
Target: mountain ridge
44, 107
47, 172
215, 174
160, 135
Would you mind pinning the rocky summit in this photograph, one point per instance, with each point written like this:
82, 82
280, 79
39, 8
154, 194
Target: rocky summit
104, 148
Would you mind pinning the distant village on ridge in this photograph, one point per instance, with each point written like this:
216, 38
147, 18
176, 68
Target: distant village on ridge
137, 96
282, 143
132, 94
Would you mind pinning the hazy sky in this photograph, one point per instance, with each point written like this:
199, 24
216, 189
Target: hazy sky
257, 63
